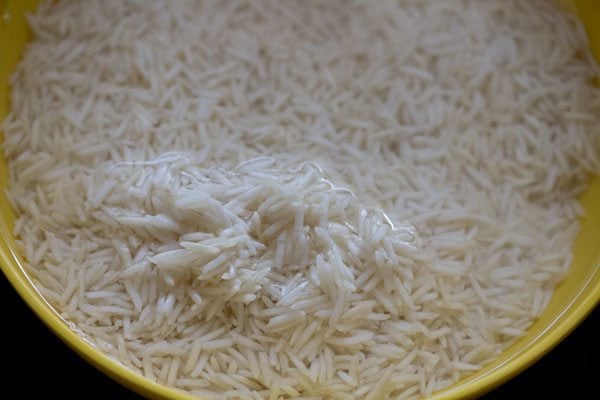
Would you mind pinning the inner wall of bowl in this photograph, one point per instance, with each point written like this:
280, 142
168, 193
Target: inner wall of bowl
13, 37
574, 298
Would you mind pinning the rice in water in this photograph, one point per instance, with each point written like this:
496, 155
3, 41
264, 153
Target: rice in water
274, 199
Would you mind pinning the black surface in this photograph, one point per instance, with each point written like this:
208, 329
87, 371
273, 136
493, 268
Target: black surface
40, 365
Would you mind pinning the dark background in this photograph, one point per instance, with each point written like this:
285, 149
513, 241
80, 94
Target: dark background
37, 364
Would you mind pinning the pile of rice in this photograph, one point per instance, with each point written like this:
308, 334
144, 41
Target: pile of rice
317, 199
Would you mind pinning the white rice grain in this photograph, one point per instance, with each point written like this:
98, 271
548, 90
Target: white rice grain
284, 199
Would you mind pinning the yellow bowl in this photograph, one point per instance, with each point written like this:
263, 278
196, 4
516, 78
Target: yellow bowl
574, 298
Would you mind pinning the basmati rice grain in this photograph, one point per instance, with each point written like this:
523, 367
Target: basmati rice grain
308, 199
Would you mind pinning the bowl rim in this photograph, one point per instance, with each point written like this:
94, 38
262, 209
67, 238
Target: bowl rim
569, 317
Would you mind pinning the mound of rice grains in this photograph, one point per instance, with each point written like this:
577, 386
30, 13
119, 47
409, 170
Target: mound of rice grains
278, 199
